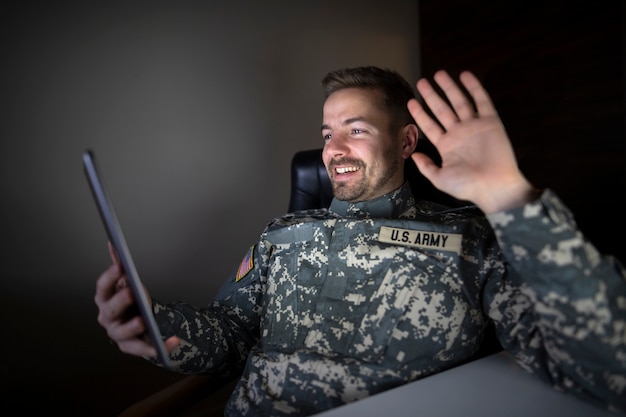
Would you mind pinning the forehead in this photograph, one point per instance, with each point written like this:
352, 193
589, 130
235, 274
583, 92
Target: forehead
355, 102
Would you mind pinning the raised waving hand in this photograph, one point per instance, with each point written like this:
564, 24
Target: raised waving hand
478, 162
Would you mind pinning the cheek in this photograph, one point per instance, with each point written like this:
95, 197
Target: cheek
325, 158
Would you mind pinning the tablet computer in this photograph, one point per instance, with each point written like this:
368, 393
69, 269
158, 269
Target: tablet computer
116, 237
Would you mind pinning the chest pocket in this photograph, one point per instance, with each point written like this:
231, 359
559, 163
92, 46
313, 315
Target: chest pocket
295, 271
361, 300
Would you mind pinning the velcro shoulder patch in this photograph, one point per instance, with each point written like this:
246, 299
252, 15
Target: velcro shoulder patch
246, 265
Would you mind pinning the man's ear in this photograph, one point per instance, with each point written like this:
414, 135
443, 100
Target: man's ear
409, 140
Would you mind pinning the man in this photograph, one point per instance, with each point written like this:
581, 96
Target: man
333, 305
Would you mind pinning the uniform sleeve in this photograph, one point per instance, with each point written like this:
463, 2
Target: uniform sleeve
561, 309
217, 338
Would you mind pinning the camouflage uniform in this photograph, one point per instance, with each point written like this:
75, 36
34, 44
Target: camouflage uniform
331, 306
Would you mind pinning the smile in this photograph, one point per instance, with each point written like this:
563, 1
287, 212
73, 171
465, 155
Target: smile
343, 170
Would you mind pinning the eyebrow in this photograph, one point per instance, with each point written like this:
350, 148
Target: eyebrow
348, 121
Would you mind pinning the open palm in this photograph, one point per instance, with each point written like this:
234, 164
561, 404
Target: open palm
478, 162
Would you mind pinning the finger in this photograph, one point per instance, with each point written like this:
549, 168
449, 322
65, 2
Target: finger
121, 283
429, 127
463, 108
437, 105
114, 256
113, 311
143, 347
138, 347
172, 343
124, 330
106, 283
483, 102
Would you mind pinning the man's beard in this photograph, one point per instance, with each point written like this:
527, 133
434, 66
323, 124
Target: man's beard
355, 192
349, 192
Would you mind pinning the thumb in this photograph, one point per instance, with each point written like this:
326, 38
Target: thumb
425, 165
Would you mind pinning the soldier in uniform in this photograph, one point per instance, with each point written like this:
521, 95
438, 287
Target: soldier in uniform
382, 288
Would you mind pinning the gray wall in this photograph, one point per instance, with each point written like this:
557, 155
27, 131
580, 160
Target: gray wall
194, 110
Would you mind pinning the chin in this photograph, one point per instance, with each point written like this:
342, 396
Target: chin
343, 194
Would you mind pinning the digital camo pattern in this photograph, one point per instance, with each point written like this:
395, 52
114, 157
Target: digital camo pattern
330, 313
562, 309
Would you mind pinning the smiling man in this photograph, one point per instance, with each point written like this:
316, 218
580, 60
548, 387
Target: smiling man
333, 305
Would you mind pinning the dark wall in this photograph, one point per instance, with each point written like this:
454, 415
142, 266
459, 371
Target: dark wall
555, 71
194, 109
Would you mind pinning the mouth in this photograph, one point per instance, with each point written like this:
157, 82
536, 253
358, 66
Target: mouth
345, 170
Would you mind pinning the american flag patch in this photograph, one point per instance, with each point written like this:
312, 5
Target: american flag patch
246, 264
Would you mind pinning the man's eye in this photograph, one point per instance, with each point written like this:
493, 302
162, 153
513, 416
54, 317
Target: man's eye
327, 136
357, 131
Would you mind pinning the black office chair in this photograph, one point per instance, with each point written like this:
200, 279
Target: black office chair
310, 188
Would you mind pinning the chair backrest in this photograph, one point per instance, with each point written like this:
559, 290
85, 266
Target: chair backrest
310, 185
311, 188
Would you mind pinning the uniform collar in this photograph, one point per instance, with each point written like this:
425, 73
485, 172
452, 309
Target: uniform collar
390, 205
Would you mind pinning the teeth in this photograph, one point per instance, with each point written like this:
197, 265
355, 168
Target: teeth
346, 169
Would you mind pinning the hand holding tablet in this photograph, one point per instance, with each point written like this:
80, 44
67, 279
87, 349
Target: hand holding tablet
122, 253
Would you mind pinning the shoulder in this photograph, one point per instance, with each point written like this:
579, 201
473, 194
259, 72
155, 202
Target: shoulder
428, 209
299, 217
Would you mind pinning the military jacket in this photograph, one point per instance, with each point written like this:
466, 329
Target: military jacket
334, 305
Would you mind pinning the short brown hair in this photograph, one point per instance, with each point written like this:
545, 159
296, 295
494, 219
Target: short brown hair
395, 89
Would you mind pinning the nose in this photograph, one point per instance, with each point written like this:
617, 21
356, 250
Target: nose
336, 147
